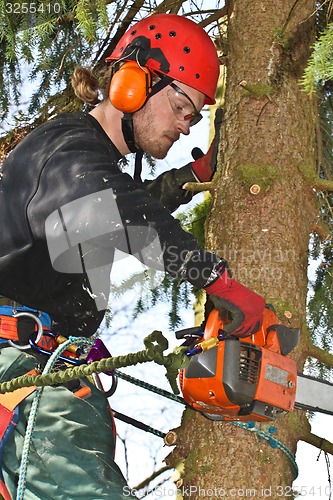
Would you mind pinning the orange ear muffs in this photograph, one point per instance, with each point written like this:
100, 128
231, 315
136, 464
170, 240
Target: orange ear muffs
130, 87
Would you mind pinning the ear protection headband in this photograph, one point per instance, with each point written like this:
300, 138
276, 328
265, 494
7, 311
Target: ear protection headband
130, 87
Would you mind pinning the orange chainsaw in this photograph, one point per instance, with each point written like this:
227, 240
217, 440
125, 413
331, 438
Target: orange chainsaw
251, 378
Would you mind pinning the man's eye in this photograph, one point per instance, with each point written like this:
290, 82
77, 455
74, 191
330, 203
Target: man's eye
179, 106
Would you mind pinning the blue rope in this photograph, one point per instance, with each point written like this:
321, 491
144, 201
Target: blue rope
273, 442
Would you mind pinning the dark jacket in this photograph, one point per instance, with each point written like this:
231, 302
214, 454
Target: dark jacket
65, 206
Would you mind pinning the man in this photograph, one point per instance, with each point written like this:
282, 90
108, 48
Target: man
66, 206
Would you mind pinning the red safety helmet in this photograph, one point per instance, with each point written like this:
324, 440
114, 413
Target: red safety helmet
174, 46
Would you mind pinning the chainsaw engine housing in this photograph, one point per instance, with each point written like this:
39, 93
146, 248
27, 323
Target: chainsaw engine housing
241, 379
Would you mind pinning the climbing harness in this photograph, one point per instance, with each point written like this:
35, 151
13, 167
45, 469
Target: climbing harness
14, 326
28, 329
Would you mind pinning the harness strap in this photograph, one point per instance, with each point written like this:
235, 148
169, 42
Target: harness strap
8, 328
9, 325
17, 323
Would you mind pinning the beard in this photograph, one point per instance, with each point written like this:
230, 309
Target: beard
148, 134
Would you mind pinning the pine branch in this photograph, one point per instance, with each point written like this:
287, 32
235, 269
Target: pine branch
322, 230
320, 354
149, 479
323, 185
318, 442
320, 66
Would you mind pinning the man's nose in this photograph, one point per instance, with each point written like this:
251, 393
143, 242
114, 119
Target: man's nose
184, 126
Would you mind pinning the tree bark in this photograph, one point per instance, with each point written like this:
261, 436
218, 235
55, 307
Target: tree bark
263, 211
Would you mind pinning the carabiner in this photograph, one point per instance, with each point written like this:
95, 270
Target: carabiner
39, 331
99, 385
97, 352
41, 350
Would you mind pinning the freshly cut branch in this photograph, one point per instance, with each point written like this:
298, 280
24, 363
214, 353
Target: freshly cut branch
198, 186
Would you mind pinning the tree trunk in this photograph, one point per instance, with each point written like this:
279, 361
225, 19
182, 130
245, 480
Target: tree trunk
262, 214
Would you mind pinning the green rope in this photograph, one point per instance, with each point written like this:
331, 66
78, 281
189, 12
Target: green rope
155, 344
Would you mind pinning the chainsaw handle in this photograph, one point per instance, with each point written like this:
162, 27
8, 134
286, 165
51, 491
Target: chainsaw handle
194, 331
